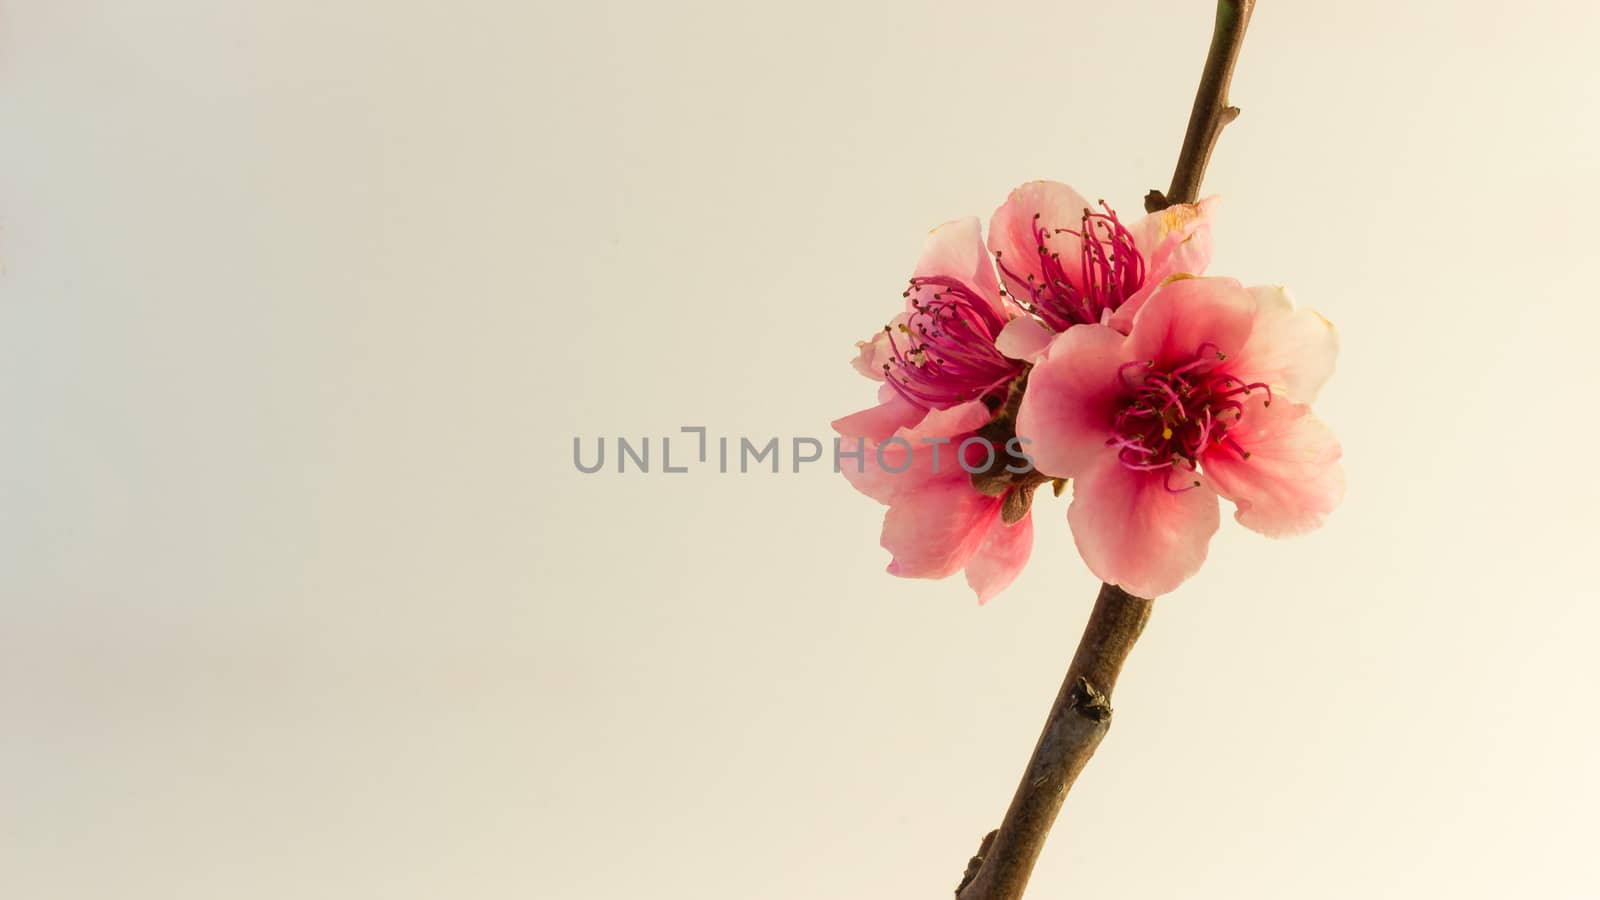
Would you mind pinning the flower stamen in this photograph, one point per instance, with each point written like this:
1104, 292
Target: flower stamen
945, 353
1110, 269
1169, 419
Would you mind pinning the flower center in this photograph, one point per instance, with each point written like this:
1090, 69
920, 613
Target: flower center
944, 353
1168, 420
1109, 270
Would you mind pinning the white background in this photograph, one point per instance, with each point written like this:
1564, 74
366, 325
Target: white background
302, 597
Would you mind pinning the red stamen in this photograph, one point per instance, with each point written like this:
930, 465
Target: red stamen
949, 356
1110, 270
1170, 419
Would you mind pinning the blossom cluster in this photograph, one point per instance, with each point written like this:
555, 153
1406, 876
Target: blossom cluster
1150, 389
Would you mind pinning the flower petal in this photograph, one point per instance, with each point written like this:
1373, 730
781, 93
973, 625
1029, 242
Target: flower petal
1012, 240
1024, 338
1185, 315
1173, 241
957, 420
1000, 558
877, 352
1292, 479
933, 531
955, 250
1071, 400
912, 454
1134, 532
1291, 349
877, 423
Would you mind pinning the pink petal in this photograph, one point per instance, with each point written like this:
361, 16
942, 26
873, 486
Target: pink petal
877, 351
1011, 233
1132, 531
1024, 338
1291, 349
1184, 316
1071, 400
933, 531
957, 420
910, 461
1292, 480
1173, 241
1000, 558
955, 250
877, 423
1168, 239
885, 485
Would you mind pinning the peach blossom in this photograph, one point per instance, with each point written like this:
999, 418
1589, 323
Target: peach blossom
1069, 262
943, 380
1206, 397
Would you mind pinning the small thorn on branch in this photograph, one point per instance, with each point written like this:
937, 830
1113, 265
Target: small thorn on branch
1078, 720
976, 863
1090, 702
1211, 112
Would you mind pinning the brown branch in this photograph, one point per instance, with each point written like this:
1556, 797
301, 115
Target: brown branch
1078, 720
1211, 112
1081, 715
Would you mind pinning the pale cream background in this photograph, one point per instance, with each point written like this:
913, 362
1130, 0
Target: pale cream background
303, 303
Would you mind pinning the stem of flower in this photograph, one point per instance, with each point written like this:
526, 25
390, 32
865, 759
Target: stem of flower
1081, 715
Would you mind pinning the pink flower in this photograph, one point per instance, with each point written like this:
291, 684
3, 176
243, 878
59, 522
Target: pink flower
1069, 263
1206, 396
938, 523
943, 382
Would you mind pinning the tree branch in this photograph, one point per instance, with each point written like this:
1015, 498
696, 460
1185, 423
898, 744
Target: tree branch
1081, 715
1211, 112
1078, 720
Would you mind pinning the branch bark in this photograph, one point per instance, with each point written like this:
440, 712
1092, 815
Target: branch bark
1211, 112
1081, 715
1076, 724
